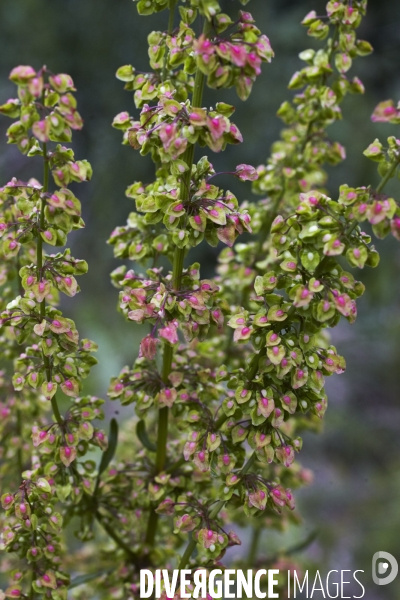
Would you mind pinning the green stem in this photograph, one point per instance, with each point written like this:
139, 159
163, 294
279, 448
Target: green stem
171, 6
187, 554
220, 422
248, 465
163, 413
33, 574
177, 271
39, 262
192, 543
174, 467
320, 269
114, 536
151, 530
253, 365
162, 439
32, 591
266, 228
188, 157
255, 538
323, 79
388, 176
19, 281
213, 515
39, 248
217, 509
56, 411
378, 190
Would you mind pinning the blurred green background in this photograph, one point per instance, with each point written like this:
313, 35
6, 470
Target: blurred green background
354, 500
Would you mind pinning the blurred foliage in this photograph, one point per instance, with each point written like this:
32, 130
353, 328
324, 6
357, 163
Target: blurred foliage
353, 503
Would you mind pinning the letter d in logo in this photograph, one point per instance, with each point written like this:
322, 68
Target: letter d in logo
382, 567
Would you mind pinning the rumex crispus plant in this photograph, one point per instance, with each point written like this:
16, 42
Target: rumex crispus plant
231, 369
43, 345
225, 393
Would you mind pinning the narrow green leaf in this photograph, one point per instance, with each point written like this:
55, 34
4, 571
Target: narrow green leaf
82, 579
143, 437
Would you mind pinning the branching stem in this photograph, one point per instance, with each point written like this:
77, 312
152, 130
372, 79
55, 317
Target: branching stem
114, 536
213, 515
255, 538
378, 190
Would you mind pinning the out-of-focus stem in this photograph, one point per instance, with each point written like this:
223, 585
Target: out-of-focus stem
255, 538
